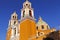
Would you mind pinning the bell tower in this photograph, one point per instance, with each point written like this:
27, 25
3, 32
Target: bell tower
13, 25
27, 22
27, 11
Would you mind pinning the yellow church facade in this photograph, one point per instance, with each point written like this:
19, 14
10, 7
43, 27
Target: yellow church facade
26, 28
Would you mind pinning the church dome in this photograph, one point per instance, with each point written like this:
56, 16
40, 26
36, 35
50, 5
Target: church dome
42, 25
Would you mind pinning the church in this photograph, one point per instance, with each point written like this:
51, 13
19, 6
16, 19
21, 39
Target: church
27, 28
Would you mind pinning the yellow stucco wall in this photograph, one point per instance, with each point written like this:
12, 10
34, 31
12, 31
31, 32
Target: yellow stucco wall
27, 29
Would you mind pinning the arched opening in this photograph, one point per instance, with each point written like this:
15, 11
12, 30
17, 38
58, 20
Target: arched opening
26, 4
37, 27
13, 16
14, 22
42, 26
14, 31
23, 13
41, 33
38, 33
47, 27
30, 13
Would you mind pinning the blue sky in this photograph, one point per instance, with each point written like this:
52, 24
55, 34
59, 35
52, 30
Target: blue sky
49, 10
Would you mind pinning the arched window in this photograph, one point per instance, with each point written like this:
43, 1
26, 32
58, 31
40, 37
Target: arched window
47, 27
41, 33
14, 22
13, 16
30, 13
42, 26
37, 27
23, 13
38, 33
14, 31
26, 4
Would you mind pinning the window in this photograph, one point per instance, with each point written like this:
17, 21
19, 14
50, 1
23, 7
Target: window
38, 33
26, 4
42, 26
13, 16
47, 27
23, 13
37, 27
30, 13
14, 22
41, 33
29, 6
14, 31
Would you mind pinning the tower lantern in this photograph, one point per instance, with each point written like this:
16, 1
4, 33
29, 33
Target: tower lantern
14, 16
13, 25
27, 11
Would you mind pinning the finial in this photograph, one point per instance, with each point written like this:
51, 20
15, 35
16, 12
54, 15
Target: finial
14, 14
40, 18
26, 0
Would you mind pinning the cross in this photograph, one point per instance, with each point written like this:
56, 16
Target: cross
26, 0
